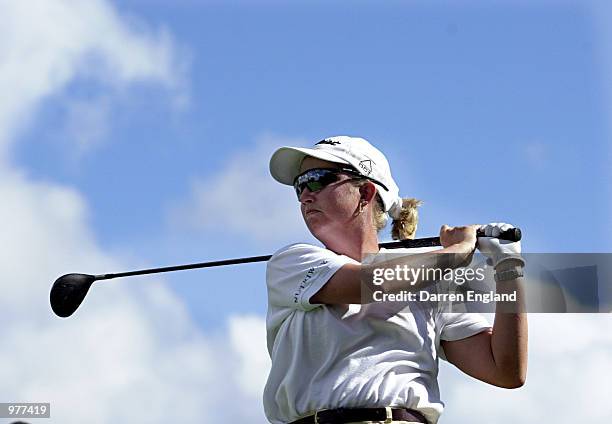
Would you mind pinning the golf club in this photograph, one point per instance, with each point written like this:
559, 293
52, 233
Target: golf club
68, 291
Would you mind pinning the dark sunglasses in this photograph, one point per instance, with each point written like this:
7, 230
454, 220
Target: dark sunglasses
318, 178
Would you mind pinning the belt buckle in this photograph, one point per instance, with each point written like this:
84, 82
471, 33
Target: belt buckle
389, 418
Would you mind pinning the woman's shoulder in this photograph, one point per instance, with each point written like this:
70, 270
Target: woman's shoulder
299, 249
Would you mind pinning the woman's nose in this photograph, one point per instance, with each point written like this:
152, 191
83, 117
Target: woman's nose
306, 196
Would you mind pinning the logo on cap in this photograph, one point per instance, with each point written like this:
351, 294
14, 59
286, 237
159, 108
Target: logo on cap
366, 166
331, 142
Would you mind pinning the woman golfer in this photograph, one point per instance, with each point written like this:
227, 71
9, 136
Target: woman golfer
339, 359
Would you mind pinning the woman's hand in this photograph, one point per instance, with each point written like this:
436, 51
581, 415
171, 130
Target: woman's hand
460, 242
450, 236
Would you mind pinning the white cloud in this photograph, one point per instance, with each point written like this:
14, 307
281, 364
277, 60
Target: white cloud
128, 344
567, 381
248, 339
87, 122
44, 45
244, 199
131, 353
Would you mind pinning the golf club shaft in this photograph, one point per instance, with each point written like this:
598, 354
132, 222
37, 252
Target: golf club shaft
513, 234
184, 267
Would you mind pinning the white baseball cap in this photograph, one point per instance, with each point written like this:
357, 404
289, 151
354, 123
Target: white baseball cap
354, 151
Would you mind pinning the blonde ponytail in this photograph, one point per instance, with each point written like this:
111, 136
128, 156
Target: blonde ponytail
406, 225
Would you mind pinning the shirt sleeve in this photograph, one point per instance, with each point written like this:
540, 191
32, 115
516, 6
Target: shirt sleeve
298, 271
456, 326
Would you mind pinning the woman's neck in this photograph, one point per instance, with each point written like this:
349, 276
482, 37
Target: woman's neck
354, 244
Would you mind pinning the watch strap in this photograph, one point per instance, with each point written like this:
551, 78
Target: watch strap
509, 274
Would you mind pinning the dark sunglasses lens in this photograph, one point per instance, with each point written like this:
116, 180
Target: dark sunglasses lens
315, 180
315, 185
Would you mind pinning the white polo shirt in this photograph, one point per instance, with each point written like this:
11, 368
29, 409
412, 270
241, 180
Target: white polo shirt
331, 356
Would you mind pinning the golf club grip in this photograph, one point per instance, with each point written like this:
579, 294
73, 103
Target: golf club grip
512, 234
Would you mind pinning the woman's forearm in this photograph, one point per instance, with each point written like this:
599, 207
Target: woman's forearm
509, 338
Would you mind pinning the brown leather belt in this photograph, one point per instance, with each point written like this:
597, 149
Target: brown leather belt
349, 415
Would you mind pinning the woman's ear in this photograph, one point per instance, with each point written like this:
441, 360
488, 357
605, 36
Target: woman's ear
367, 191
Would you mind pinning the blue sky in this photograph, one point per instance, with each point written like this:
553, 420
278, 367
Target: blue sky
137, 134
456, 93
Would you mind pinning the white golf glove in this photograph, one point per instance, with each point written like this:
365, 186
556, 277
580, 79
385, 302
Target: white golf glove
496, 250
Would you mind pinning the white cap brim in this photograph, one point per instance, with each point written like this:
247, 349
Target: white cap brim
286, 161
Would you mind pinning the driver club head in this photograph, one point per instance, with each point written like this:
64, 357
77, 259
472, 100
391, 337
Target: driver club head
68, 292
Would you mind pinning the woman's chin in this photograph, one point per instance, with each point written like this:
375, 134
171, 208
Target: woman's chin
315, 224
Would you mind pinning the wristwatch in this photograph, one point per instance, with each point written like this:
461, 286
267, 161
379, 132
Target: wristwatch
509, 274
